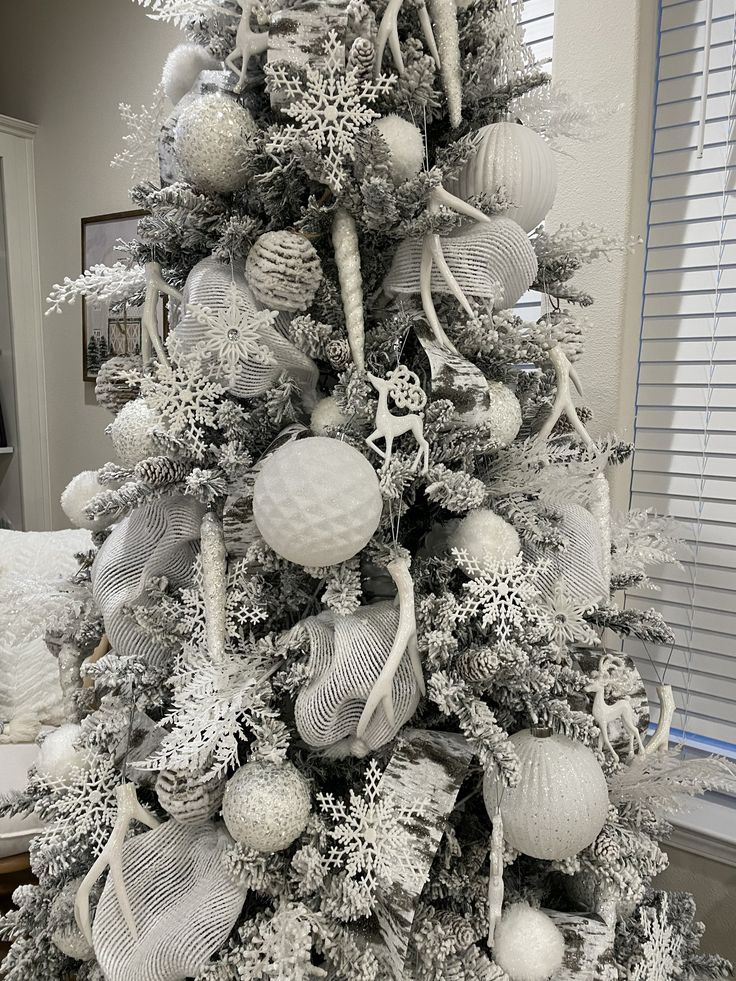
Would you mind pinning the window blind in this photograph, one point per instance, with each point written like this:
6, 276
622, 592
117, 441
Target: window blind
685, 430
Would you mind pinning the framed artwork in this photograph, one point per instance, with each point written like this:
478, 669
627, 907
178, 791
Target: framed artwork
106, 332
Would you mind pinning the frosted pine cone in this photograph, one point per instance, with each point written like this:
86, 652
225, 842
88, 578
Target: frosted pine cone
361, 57
338, 353
284, 270
112, 390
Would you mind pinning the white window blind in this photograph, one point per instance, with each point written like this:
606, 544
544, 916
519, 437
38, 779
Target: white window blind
537, 18
685, 432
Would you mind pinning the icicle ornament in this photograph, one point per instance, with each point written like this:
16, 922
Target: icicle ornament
347, 257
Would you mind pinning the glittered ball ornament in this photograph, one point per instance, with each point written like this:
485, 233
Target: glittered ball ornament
486, 537
317, 501
132, 432
60, 754
527, 944
66, 935
518, 159
284, 270
406, 146
503, 416
266, 805
213, 142
560, 803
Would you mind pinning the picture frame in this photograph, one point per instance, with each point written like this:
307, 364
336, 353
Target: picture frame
106, 333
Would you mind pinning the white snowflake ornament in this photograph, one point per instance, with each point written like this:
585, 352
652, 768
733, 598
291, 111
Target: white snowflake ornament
329, 108
566, 620
140, 143
505, 596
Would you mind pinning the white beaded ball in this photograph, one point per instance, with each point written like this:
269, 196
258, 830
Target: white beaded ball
486, 537
284, 270
60, 755
406, 146
181, 68
527, 945
317, 501
561, 801
213, 143
76, 496
131, 432
503, 414
266, 805
518, 159
68, 938
326, 413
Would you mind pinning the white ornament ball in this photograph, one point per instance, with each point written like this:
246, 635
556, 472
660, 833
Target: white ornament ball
326, 413
317, 501
60, 755
518, 159
527, 945
213, 142
503, 415
284, 271
486, 537
68, 938
561, 801
182, 67
131, 432
266, 805
76, 496
406, 145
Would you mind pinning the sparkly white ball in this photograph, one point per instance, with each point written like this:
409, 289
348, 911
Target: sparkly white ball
486, 537
561, 801
131, 432
76, 496
60, 755
266, 805
527, 945
317, 501
181, 68
67, 937
213, 141
406, 144
326, 413
503, 415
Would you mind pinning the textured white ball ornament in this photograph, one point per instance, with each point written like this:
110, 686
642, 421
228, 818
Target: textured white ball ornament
266, 805
503, 414
131, 432
486, 537
68, 938
284, 271
518, 159
527, 945
326, 413
59, 754
406, 144
213, 143
317, 501
561, 801
181, 68
76, 496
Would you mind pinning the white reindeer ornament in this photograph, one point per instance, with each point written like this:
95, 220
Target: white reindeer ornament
604, 714
404, 388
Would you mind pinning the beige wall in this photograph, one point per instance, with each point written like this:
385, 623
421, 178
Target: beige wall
87, 56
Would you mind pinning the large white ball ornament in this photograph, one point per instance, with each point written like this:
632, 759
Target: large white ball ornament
317, 501
561, 801
503, 415
406, 146
131, 432
519, 160
486, 537
527, 945
60, 754
213, 142
76, 496
182, 67
266, 805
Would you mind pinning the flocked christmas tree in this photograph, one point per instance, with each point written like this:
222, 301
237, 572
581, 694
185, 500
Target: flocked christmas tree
349, 714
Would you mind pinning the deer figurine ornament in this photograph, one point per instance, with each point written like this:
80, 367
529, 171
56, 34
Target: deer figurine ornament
404, 388
604, 714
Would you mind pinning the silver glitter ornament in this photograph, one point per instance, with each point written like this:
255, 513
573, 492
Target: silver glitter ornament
131, 432
213, 141
67, 936
560, 803
266, 805
284, 270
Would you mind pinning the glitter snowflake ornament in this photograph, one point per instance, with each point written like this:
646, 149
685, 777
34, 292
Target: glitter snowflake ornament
329, 108
566, 624
505, 596
140, 143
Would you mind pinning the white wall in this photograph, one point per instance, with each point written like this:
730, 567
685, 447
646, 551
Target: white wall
87, 56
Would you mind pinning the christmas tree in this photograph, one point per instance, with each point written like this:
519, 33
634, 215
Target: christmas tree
338, 704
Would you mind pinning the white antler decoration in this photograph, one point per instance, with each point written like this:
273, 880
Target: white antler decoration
129, 810
405, 642
622, 709
563, 403
660, 741
155, 284
388, 32
247, 44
